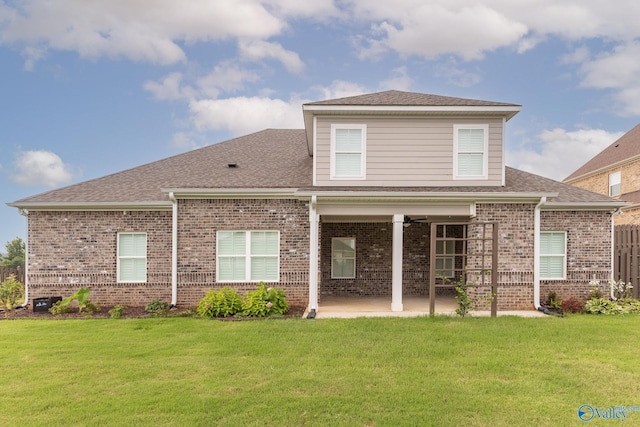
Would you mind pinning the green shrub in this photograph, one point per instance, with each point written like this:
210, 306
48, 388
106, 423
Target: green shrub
81, 296
11, 291
117, 311
157, 308
264, 302
222, 303
602, 306
553, 302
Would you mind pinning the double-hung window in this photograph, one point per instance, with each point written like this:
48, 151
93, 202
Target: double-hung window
343, 258
348, 151
132, 257
248, 256
614, 184
553, 254
470, 144
445, 258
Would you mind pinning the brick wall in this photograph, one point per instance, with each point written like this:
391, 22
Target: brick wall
198, 222
70, 250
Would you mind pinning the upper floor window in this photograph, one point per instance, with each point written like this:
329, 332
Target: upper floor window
132, 257
348, 143
614, 184
470, 146
248, 256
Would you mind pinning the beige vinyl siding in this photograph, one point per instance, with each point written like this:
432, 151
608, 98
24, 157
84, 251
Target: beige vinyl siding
408, 151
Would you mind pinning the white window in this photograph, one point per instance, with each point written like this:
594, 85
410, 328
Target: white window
445, 258
132, 257
348, 151
614, 184
553, 254
248, 256
343, 258
470, 146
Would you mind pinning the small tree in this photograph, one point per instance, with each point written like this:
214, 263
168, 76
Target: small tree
11, 291
15, 254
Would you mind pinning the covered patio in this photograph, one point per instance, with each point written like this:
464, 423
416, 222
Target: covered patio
368, 306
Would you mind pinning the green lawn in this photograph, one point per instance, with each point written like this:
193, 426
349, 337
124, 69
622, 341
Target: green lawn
362, 372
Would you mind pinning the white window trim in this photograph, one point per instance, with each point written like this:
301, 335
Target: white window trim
119, 257
563, 255
363, 162
617, 175
247, 267
485, 154
333, 276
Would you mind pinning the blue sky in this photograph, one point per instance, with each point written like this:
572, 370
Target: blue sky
89, 88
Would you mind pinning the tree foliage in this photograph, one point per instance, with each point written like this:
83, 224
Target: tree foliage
14, 257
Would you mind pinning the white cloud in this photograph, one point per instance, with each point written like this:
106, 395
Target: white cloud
340, 89
257, 50
40, 167
243, 115
226, 77
143, 30
560, 152
399, 80
169, 88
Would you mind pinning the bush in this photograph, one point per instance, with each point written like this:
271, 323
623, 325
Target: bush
82, 298
157, 308
572, 305
223, 303
117, 311
264, 302
602, 306
553, 302
11, 291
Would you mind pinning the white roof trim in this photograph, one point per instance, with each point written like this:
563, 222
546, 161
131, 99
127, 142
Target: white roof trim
92, 206
233, 193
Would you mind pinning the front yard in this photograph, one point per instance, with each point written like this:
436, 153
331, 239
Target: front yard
369, 371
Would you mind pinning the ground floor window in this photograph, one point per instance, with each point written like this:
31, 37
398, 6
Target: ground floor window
248, 256
553, 254
343, 258
445, 258
132, 257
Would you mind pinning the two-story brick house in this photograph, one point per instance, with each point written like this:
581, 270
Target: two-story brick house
389, 194
615, 171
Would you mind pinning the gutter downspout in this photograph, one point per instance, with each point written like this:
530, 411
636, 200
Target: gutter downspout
25, 213
174, 249
536, 254
313, 257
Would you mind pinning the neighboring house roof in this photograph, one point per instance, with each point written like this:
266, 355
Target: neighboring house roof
623, 149
270, 159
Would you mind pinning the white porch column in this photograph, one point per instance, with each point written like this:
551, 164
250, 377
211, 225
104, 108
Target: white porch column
396, 263
314, 219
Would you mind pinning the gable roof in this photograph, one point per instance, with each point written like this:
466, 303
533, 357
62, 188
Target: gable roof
400, 98
267, 161
625, 148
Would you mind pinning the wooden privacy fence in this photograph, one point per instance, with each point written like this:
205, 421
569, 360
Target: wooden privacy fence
626, 256
5, 272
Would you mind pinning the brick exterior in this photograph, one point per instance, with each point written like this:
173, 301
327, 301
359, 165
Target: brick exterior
629, 183
69, 250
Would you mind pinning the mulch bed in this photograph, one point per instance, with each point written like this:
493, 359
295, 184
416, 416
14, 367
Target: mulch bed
129, 313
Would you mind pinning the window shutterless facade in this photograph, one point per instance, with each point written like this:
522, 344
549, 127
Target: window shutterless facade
470, 151
343, 258
614, 184
132, 257
248, 256
553, 254
348, 151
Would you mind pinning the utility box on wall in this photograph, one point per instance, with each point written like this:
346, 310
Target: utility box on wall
44, 304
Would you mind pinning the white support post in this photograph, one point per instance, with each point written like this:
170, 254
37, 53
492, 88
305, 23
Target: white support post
396, 263
314, 219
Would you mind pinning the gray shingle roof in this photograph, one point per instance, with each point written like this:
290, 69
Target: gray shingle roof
268, 159
396, 97
625, 147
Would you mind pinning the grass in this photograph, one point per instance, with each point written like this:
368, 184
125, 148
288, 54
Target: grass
360, 372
